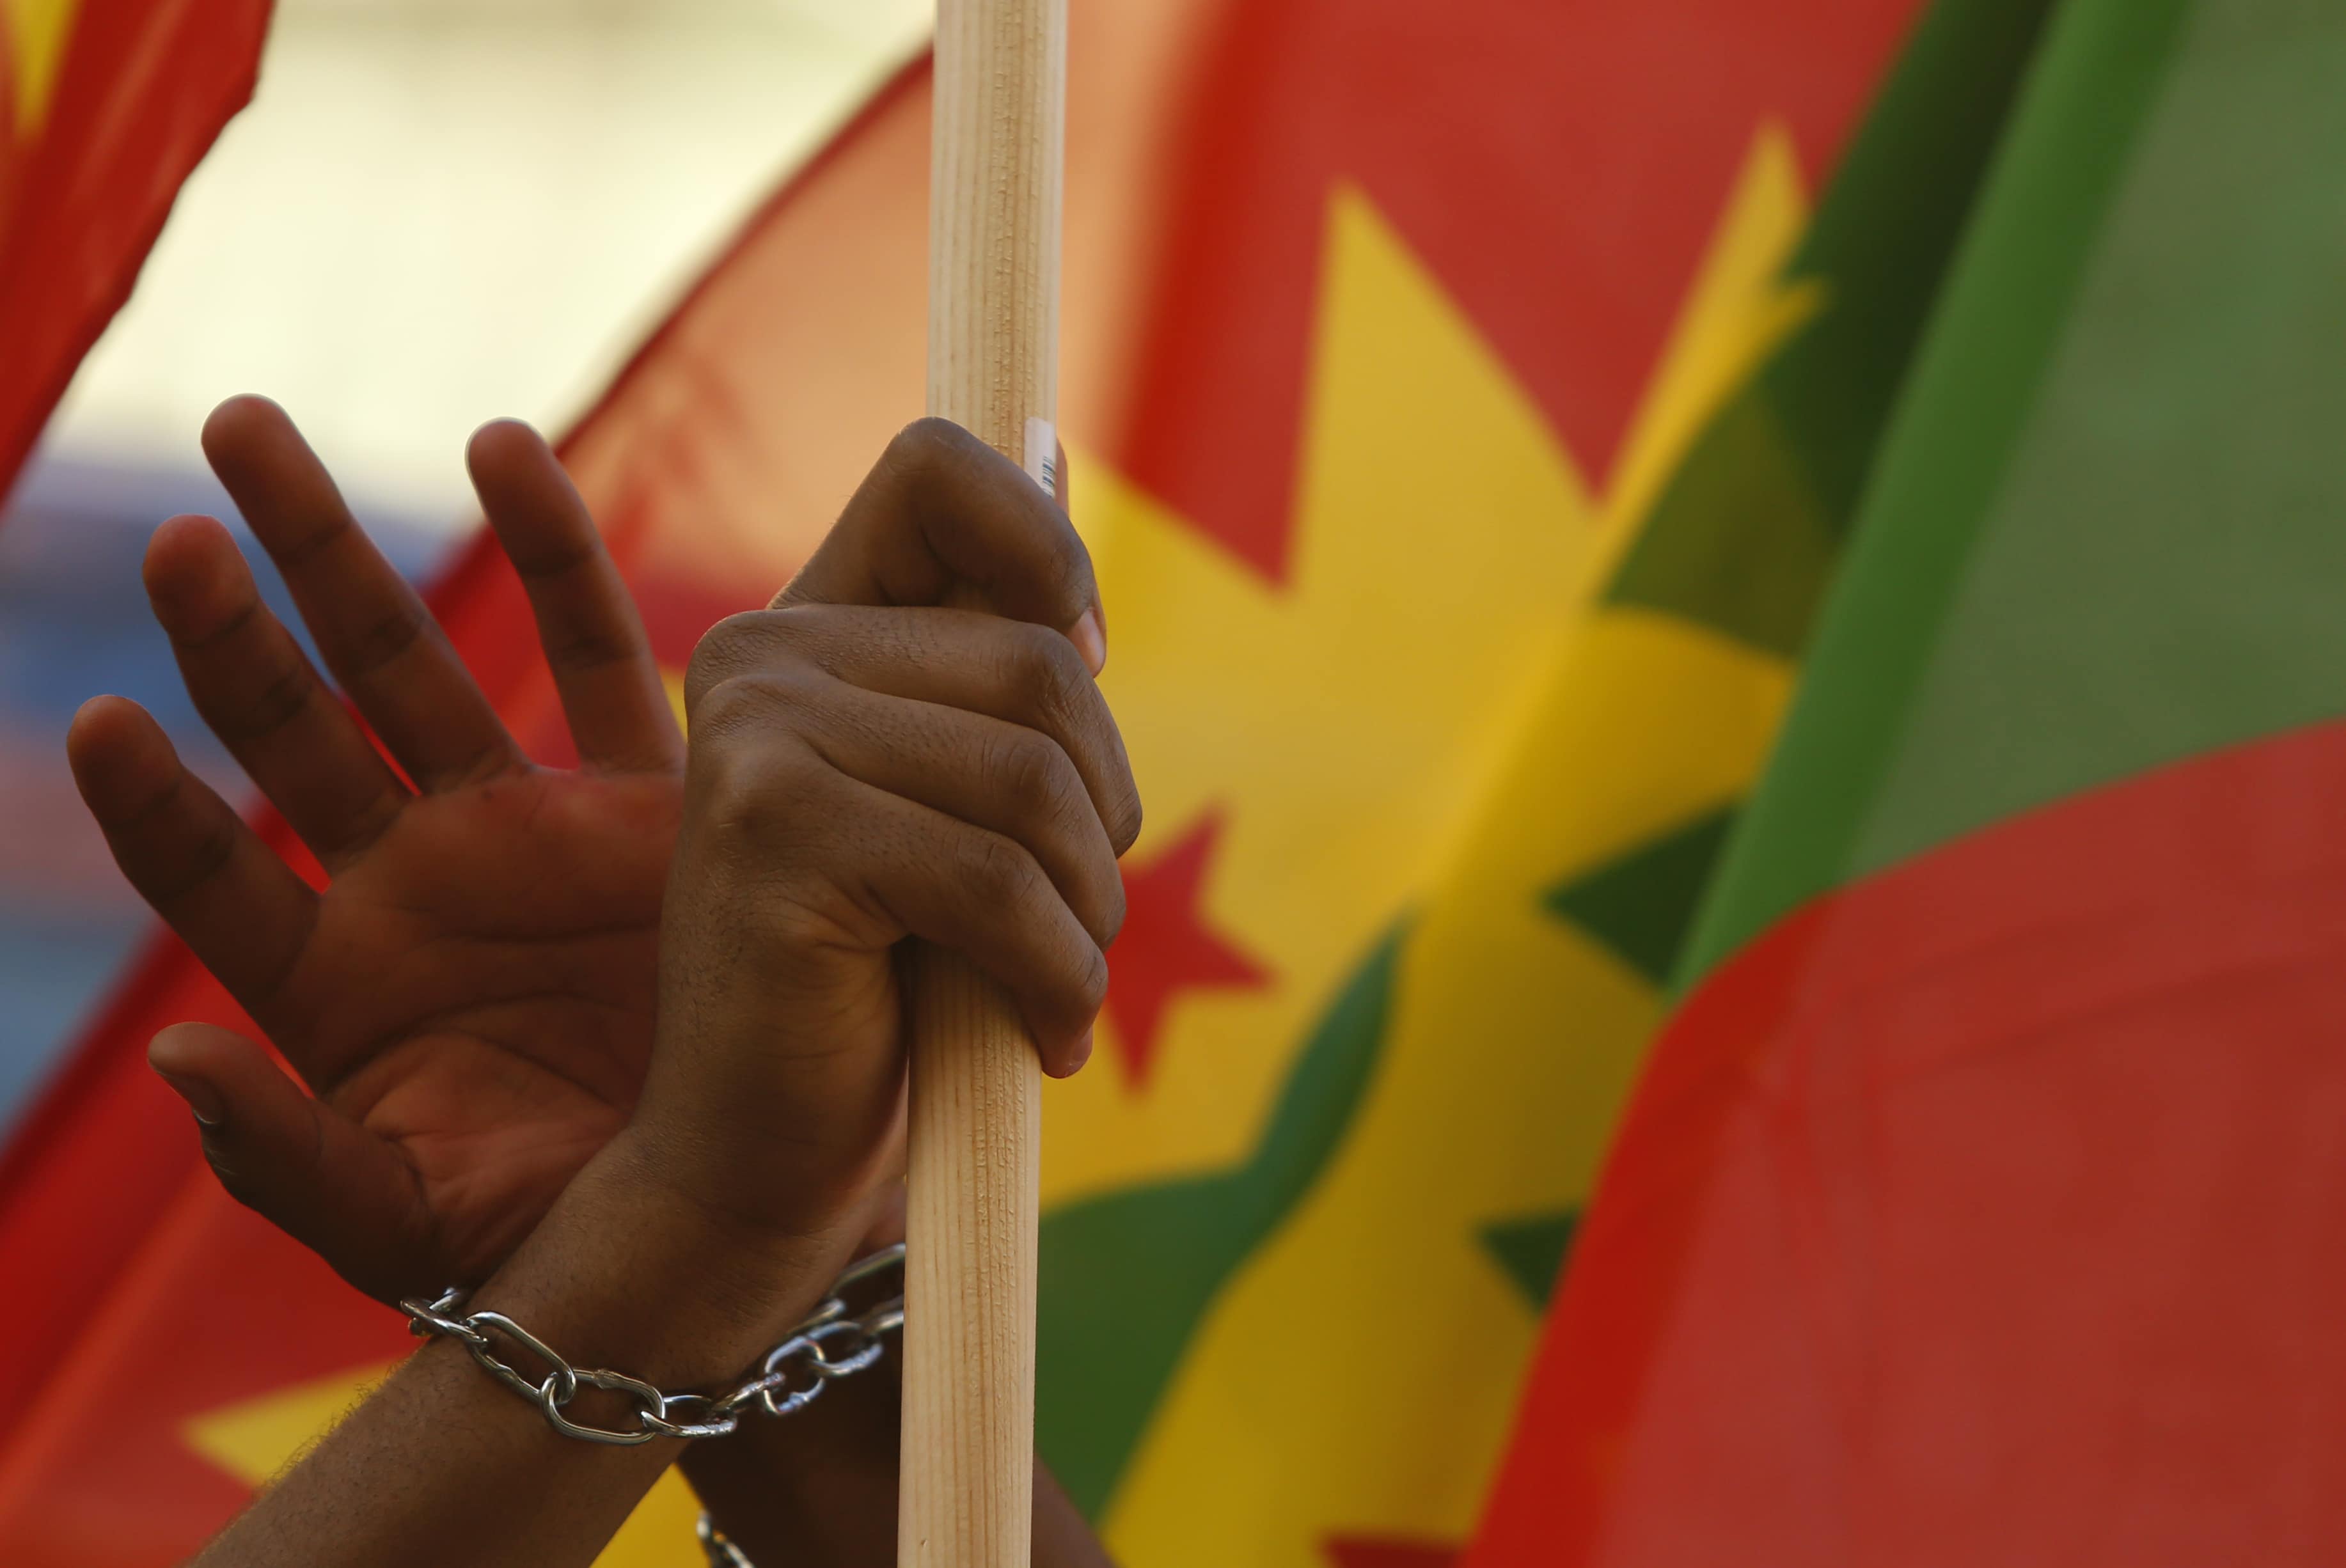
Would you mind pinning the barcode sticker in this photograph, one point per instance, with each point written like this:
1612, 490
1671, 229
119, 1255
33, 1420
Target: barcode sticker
1042, 456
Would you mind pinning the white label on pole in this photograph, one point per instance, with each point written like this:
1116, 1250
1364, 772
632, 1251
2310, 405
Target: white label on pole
1042, 456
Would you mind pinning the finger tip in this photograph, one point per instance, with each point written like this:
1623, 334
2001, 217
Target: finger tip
194, 1049
235, 420
520, 481
188, 559
1068, 1059
104, 733
502, 440
175, 1057
121, 762
178, 536
166, 1049
181, 1050
505, 427
96, 715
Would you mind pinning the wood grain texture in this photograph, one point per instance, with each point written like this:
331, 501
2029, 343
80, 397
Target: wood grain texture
996, 173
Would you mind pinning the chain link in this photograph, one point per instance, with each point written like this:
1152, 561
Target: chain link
832, 1343
718, 1547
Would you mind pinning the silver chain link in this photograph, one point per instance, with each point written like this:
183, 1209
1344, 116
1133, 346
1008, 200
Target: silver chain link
830, 1344
715, 1546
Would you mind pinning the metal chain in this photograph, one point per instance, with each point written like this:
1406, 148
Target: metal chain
718, 1547
830, 1344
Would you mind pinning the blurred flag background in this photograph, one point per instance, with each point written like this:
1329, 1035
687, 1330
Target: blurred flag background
1473, 410
433, 211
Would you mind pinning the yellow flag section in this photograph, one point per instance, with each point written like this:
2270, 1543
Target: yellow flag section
1429, 729
254, 1440
1322, 723
36, 41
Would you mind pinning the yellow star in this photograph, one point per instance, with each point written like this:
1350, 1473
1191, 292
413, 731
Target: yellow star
1511, 1038
1344, 723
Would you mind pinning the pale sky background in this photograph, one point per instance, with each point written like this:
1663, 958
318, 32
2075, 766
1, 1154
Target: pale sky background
438, 212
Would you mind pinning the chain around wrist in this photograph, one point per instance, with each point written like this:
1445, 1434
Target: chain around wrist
717, 1546
830, 1343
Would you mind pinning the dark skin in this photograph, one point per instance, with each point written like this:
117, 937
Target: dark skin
645, 1005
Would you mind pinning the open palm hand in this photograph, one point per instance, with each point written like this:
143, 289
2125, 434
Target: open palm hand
471, 995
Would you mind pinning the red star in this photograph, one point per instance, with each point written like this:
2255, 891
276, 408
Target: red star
1165, 946
1356, 1552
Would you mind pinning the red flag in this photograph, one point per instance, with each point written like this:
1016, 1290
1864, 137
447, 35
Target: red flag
1517, 195
106, 105
161, 1301
1980, 1202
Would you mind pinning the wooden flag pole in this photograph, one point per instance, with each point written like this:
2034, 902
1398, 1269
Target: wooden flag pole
967, 1491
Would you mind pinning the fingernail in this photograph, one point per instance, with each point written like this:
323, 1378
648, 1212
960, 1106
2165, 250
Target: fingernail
1090, 636
1081, 1053
201, 1097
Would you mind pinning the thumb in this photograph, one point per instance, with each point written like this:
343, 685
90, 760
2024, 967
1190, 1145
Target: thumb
942, 519
325, 1181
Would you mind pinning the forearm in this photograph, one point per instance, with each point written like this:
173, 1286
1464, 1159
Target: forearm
445, 1465
818, 1490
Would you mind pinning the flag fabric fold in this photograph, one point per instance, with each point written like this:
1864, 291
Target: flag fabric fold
1978, 1203
1277, 1078
1386, 332
1489, 426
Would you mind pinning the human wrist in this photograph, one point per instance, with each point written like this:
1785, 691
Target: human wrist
820, 1488
766, 1171
628, 1271
817, 1488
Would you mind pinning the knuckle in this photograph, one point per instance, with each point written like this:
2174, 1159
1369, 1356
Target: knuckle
805, 635
1049, 679
934, 435
926, 445
999, 872
1058, 562
592, 649
1031, 768
203, 859
1058, 697
743, 645
744, 766
551, 563
385, 639
1047, 665
237, 623
277, 702
1055, 573
718, 653
1070, 563
295, 554
723, 649
723, 710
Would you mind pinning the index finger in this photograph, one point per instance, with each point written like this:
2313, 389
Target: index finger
944, 517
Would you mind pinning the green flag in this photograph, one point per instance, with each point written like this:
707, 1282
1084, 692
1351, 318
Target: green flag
1978, 1203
